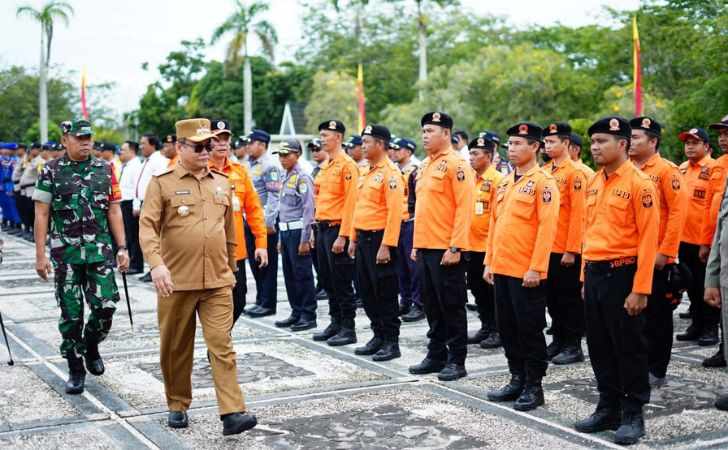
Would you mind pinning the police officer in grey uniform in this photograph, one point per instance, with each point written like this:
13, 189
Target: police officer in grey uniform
266, 177
295, 218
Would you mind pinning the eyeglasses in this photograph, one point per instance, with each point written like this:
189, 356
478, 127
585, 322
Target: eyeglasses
315, 149
198, 148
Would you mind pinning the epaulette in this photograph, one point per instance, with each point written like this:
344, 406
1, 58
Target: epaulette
165, 172
217, 172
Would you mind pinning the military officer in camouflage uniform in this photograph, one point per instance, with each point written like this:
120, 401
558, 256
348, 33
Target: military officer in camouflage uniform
81, 196
267, 178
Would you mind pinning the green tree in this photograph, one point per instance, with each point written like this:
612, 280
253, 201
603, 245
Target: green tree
46, 17
241, 23
333, 96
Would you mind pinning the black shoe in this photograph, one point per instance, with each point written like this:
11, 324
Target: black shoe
287, 322
370, 347
685, 315
553, 349
76, 376
479, 336
321, 295
388, 352
631, 430
717, 360
601, 420
94, 363
147, 278
427, 366
691, 334
471, 306
569, 355
722, 403
452, 372
709, 337
237, 423
509, 392
492, 341
328, 332
303, 325
530, 398
261, 312
134, 271
345, 336
414, 315
177, 419
404, 309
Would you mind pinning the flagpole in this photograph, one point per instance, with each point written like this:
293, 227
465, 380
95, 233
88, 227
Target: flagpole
637, 67
360, 97
84, 109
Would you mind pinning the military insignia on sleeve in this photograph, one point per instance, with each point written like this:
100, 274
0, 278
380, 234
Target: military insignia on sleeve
461, 174
442, 166
577, 184
647, 200
675, 183
392, 183
303, 187
547, 196
274, 175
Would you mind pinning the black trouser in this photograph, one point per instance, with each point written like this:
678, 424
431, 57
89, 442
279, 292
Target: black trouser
314, 258
704, 315
298, 276
483, 292
25, 210
378, 285
521, 313
616, 341
240, 290
266, 278
658, 325
131, 230
563, 298
337, 273
443, 297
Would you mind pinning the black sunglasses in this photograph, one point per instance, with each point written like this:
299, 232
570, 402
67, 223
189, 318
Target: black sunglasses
199, 147
315, 149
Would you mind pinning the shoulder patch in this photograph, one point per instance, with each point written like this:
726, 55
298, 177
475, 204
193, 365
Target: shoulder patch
675, 182
461, 174
547, 195
647, 199
168, 171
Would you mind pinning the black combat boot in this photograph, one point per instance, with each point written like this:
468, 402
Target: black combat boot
479, 336
94, 363
371, 347
76, 376
717, 360
427, 365
492, 341
631, 429
569, 354
510, 391
328, 332
345, 336
452, 372
389, 351
601, 420
237, 423
530, 398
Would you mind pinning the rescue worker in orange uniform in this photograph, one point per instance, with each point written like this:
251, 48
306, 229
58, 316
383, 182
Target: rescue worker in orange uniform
442, 227
244, 201
718, 358
487, 178
694, 247
575, 147
373, 243
620, 247
673, 205
335, 192
563, 288
522, 231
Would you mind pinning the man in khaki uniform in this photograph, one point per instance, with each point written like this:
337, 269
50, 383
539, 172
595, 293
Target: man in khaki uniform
188, 236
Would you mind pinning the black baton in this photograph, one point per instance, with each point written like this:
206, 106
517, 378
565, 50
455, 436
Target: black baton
128, 305
10, 355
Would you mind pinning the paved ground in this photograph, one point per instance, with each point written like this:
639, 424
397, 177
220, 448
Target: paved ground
306, 395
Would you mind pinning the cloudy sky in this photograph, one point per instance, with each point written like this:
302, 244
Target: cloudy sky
112, 38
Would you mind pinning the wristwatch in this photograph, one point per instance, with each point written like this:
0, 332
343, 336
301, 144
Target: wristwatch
454, 249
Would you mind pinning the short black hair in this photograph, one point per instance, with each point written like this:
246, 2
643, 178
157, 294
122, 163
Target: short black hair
133, 145
461, 134
152, 138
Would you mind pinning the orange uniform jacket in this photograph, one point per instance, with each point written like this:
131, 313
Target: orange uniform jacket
623, 220
379, 201
484, 200
523, 224
335, 191
406, 174
716, 189
673, 202
245, 200
697, 179
572, 187
586, 170
444, 199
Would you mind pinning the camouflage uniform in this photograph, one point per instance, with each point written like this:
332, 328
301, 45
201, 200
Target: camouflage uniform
80, 194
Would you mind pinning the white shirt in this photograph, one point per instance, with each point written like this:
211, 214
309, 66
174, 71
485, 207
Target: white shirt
129, 173
154, 165
464, 153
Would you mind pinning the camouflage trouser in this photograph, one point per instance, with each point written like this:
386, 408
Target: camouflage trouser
97, 284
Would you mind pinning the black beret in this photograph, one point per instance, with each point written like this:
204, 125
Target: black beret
557, 129
722, 125
332, 125
353, 141
36, 145
170, 138
526, 130
648, 124
484, 141
107, 147
615, 125
377, 131
408, 144
219, 126
315, 143
575, 139
437, 118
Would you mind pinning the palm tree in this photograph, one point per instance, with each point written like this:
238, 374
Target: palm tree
241, 23
50, 12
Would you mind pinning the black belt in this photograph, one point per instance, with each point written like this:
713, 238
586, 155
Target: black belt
329, 223
604, 266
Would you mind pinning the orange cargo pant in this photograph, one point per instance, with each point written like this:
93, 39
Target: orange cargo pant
177, 321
